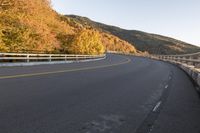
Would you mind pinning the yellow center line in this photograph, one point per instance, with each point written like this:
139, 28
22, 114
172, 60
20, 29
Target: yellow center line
63, 71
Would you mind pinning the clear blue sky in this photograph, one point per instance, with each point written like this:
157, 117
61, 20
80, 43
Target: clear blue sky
175, 18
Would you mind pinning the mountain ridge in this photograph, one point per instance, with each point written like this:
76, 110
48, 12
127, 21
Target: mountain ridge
143, 41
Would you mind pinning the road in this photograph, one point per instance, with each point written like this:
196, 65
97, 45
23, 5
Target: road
120, 94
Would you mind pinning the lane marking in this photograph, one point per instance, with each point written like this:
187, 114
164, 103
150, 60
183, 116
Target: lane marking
157, 106
166, 86
63, 71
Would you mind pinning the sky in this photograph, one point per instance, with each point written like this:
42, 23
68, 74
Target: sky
179, 19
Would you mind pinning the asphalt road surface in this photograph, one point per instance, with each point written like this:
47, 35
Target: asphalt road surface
120, 94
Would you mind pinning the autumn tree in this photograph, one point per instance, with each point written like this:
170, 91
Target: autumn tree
87, 42
29, 25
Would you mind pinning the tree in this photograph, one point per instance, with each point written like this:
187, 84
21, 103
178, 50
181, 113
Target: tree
29, 25
87, 42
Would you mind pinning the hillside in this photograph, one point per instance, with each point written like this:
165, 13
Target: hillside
33, 26
110, 41
27, 25
152, 43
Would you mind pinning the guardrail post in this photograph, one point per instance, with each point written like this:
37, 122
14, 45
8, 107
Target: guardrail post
27, 58
176, 59
65, 58
183, 60
179, 59
197, 64
189, 62
49, 58
171, 58
168, 58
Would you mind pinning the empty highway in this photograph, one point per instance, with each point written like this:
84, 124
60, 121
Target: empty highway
120, 94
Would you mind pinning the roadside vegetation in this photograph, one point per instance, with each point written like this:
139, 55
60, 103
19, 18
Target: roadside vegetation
33, 26
30, 25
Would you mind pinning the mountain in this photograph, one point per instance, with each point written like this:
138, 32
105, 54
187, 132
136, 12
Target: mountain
111, 42
152, 43
33, 26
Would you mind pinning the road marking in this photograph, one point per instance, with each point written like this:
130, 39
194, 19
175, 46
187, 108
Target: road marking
166, 86
157, 106
63, 71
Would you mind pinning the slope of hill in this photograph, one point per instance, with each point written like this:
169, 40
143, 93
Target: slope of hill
32, 25
110, 41
27, 25
152, 43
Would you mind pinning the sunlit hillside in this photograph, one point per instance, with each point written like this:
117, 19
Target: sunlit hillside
32, 26
110, 41
28, 25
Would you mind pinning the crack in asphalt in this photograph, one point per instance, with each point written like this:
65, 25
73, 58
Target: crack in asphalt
148, 124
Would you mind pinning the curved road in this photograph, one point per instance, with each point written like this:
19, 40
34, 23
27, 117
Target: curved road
121, 94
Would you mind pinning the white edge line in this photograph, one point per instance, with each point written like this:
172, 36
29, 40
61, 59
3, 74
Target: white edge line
157, 106
166, 86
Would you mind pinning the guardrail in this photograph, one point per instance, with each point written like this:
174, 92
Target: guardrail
190, 63
22, 57
188, 59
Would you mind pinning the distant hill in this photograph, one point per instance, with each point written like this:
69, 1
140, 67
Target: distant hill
152, 43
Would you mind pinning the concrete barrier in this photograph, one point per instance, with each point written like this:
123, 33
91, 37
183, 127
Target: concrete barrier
190, 63
193, 72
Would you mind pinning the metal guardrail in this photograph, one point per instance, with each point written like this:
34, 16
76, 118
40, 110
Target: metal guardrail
21, 57
189, 59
